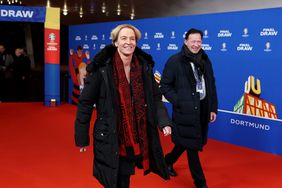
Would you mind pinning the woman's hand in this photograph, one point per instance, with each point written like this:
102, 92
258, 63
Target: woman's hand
167, 130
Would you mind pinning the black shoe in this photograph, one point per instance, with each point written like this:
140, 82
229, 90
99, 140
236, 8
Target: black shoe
203, 186
171, 171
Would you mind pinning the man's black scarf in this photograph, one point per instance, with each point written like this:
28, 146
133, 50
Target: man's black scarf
197, 59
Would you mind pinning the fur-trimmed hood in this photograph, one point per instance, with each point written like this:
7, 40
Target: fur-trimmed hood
106, 54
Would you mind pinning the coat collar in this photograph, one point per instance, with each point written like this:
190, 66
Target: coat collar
204, 55
106, 54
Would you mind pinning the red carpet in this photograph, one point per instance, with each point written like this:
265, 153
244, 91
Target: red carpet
37, 151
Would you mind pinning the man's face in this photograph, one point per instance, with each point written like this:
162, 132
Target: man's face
194, 42
126, 41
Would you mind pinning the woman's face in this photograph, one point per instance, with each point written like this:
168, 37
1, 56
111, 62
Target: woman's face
126, 42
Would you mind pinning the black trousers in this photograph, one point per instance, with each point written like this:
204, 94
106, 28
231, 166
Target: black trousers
193, 161
123, 181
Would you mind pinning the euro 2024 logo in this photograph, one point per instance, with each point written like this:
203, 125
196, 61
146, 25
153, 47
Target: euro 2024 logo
52, 37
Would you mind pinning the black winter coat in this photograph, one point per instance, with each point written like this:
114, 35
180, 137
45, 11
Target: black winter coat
100, 89
178, 85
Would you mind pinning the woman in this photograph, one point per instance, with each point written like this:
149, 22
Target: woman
129, 108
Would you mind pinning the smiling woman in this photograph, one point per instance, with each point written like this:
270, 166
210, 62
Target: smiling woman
125, 132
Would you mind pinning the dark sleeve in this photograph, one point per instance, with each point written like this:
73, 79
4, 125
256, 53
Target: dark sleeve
168, 82
214, 100
87, 99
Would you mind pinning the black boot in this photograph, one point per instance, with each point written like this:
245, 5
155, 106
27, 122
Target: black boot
171, 170
203, 186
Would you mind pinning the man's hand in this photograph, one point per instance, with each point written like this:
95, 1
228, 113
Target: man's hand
213, 117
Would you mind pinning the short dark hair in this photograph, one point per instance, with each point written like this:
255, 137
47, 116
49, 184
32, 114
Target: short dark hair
193, 31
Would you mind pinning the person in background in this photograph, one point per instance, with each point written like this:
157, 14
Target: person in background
121, 83
5, 61
188, 83
21, 68
75, 61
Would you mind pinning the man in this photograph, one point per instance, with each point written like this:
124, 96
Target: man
125, 131
22, 70
188, 83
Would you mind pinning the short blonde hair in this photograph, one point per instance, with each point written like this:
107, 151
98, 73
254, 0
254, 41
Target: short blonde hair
117, 29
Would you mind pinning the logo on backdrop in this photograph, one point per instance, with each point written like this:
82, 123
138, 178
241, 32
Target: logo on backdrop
172, 47
146, 35
52, 37
245, 32
145, 47
159, 35
52, 44
267, 47
94, 46
103, 37
172, 35
206, 47
184, 34
268, 32
85, 46
223, 47
102, 46
205, 36
85, 37
224, 33
77, 38
94, 37
251, 103
244, 47
158, 46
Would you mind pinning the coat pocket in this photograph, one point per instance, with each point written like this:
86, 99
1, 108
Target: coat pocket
186, 131
102, 144
185, 107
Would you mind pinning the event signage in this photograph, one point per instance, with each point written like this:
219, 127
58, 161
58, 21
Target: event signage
22, 14
246, 58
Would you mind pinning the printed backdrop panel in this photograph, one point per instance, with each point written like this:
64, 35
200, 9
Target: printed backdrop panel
245, 48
